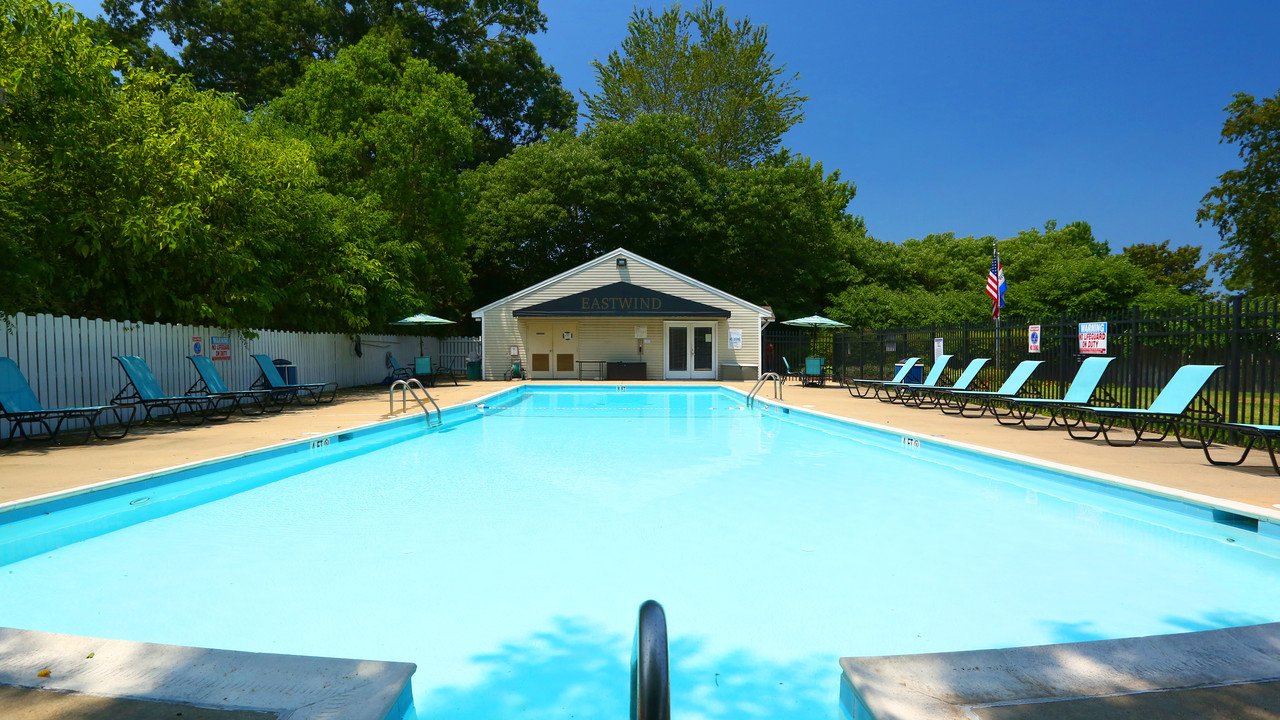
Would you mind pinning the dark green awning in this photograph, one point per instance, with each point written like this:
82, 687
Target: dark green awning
621, 299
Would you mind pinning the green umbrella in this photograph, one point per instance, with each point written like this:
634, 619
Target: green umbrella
815, 321
421, 319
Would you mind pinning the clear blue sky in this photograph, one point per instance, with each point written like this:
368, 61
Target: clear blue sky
986, 117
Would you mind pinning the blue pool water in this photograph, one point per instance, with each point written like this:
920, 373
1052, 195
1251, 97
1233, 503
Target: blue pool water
507, 552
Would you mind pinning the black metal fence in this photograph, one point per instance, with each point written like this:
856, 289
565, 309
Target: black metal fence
1243, 336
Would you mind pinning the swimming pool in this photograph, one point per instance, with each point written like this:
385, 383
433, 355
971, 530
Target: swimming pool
506, 553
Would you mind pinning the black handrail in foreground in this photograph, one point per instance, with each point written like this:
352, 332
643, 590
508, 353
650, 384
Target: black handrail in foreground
650, 672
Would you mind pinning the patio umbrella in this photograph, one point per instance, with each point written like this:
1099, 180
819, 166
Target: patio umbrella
815, 321
421, 319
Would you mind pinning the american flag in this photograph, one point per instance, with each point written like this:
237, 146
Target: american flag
995, 283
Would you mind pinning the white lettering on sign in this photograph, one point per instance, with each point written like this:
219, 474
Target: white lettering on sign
1093, 338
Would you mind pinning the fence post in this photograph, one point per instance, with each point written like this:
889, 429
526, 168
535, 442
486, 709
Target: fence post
1233, 359
1135, 365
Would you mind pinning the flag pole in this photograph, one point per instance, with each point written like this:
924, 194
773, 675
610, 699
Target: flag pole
995, 251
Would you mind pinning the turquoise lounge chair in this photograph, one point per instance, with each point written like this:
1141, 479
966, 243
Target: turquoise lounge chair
20, 406
210, 383
143, 389
895, 391
862, 387
932, 396
272, 380
1171, 406
1262, 435
1080, 392
957, 402
397, 372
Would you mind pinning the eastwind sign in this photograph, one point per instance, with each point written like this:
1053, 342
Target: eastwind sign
621, 299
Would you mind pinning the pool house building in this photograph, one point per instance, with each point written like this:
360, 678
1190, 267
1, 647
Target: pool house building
622, 317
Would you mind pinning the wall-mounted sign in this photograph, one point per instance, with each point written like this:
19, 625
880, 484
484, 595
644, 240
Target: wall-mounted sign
220, 347
1093, 338
937, 348
197, 347
735, 339
566, 335
1033, 339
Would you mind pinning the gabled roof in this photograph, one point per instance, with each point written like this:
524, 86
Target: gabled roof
621, 299
609, 257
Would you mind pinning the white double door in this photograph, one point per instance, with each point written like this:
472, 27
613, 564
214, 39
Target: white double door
690, 351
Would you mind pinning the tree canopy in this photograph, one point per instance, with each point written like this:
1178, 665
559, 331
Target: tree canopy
1245, 205
940, 279
698, 63
773, 234
259, 48
130, 194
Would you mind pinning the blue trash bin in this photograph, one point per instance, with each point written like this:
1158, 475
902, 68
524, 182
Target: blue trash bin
914, 375
288, 371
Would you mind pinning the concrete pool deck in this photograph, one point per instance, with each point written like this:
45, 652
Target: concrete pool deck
37, 469
34, 470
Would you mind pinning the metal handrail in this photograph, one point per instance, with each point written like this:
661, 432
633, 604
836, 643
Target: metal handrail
407, 387
778, 384
650, 670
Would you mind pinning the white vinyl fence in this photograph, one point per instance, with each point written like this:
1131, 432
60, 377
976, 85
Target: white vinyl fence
67, 361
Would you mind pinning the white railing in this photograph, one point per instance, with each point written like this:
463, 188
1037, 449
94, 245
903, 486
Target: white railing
67, 361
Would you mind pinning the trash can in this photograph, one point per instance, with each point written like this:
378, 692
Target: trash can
914, 375
473, 366
288, 371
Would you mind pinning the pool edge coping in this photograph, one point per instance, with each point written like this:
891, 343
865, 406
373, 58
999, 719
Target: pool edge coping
298, 687
1117, 481
69, 493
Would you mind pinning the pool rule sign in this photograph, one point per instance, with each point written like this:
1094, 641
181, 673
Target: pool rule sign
1093, 338
1033, 339
220, 347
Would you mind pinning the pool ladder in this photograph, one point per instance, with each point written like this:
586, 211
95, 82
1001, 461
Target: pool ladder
650, 670
411, 387
778, 382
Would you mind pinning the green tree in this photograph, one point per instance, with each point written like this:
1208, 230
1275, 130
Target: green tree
391, 130
134, 195
259, 48
698, 63
1245, 205
774, 234
1179, 268
941, 278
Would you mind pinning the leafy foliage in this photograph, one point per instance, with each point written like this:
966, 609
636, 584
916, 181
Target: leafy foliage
773, 234
699, 64
1245, 205
389, 130
259, 48
1179, 268
137, 196
940, 279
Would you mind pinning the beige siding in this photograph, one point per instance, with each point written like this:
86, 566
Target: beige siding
612, 339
